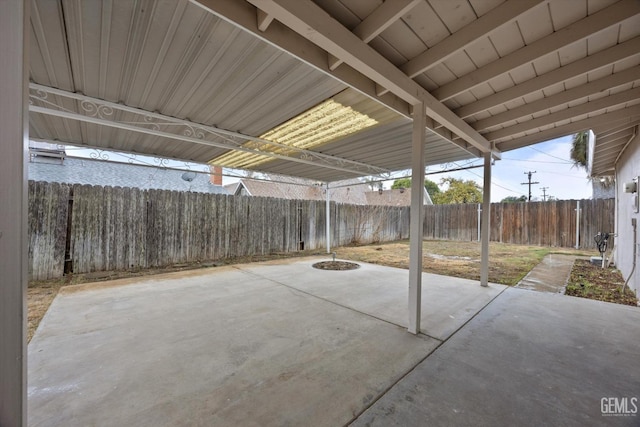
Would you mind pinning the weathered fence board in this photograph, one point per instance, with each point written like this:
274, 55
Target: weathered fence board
551, 223
48, 207
117, 228
108, 228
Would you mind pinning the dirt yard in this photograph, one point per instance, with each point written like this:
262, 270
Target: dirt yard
603, 284
508, 264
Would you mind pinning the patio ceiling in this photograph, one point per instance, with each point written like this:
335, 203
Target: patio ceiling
199, 80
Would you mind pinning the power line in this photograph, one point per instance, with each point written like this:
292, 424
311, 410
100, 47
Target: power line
550, 155
493, 183
529, 174
544, 193
538, 161
461, 168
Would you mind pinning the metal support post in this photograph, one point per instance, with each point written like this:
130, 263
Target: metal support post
14, 140
578, 225
417, 218
328, 219
486, 226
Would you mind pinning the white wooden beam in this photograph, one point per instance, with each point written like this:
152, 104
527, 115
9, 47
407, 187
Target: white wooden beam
606, 162
382, 18
577, 68
14, 146
577, 31
416, 219
243, 15
446, 134
503, 14
609, 129
568, 113
378, 21
627, 115
612, 146
264, 20
615, 139
334, 62
310, 21
621, 134
578, 92
609, 155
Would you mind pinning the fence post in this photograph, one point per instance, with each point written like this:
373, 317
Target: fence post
578, 224
328, 225
479, 213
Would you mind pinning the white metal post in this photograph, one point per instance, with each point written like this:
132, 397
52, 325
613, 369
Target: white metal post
14, 139
479, 220
417, 218
578, 225
486, 226
328, 220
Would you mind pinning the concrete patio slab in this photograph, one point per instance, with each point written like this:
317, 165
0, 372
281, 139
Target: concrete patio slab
281, 343
218, 347
382, 292
528, 359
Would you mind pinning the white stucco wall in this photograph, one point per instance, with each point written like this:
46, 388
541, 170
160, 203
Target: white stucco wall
627, 169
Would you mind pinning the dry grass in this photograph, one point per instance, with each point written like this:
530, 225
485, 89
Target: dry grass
40, 295
508, 264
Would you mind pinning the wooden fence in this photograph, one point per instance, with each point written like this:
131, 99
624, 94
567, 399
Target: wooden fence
537, 223
91, 228
83, 228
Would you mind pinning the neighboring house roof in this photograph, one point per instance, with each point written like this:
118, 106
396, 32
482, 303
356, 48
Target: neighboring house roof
396, 197
348, 192
352, 193
279, 190
105, 173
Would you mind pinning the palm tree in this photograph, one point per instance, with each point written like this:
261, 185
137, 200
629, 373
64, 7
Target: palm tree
579, 149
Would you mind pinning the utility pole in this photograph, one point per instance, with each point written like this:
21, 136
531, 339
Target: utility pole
544, 193
529, 183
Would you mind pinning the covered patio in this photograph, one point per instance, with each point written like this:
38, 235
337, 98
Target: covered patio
282, 343
325, 89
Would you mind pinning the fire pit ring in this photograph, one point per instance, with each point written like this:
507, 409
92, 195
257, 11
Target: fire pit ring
336, 265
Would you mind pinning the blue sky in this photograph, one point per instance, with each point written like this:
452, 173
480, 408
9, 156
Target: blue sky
551, 162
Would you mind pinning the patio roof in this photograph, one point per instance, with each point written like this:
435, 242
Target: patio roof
608, 145
199, 80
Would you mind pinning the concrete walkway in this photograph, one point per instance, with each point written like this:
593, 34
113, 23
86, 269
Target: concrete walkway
281, 343
550, 275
